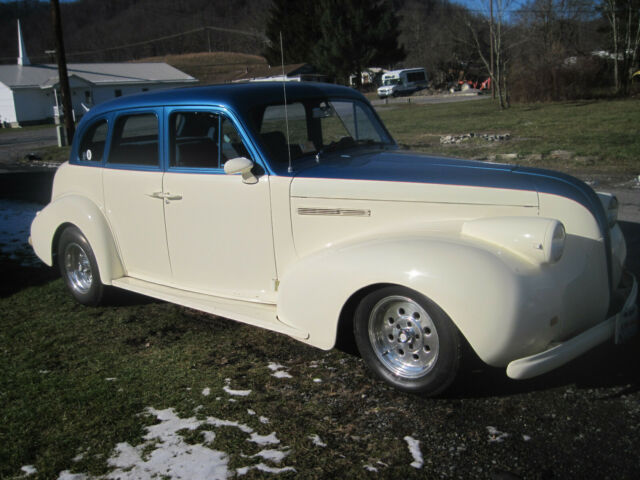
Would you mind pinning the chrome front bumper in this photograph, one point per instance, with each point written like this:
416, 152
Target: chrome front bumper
620, 327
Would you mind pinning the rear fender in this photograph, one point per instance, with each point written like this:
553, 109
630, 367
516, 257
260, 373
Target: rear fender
86, 216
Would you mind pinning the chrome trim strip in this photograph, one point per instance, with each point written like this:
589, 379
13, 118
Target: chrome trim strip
336, 212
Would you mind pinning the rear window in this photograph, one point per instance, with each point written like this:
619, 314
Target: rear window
135, 140
93, 142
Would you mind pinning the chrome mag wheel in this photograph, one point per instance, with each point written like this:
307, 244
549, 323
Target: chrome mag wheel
77, 268
403, 337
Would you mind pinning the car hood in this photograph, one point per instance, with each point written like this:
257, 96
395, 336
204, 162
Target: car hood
406, 176
409, 176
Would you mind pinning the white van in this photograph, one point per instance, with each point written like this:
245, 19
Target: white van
402, 82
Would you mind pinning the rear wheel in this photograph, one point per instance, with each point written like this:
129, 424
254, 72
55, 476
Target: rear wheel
407, 340
79, 268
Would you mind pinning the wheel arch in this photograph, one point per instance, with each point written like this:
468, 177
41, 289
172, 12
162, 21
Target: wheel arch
81, 213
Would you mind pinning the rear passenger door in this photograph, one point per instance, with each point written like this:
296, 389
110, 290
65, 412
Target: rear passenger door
134, 199
218, 228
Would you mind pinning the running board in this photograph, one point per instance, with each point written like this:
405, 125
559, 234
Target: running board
257, 314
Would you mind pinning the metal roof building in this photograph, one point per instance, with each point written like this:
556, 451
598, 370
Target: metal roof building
30, 93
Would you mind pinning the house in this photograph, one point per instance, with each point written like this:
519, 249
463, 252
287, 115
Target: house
31, 93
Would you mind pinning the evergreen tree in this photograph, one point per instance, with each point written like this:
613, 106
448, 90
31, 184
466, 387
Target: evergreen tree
298, 22
355, 34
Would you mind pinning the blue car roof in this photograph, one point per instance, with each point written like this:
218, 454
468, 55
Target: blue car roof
239, 97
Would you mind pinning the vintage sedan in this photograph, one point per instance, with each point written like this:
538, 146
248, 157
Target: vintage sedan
304, 217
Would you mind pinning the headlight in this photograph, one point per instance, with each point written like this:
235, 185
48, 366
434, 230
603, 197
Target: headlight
539, 240
558, 236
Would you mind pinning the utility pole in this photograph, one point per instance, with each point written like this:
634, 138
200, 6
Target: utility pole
493, 88
63, 77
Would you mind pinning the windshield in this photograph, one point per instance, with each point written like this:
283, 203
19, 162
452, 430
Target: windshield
316, 127
390, 81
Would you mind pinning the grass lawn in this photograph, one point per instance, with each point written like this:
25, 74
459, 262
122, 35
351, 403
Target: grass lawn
141, 386
601, 136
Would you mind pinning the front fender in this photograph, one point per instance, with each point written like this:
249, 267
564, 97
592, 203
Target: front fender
84, 214
484, 294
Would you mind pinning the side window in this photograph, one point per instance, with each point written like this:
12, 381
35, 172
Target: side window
273, 132
93, 142
135, 140
231, 142
194, 139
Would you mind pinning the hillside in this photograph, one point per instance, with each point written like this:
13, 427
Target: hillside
214, 67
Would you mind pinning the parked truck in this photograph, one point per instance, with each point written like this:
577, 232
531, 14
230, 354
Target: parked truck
403, 82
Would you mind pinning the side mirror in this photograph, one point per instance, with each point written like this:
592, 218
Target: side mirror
241, 165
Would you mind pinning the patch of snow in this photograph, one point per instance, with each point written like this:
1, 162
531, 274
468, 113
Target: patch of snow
263, 419
111, 379
370, 468
274, 366
29, 470
526, 438
495, 435
263, 468
251, 412
78, 457
275, 456
278, 372
165, 453
270, 439
206, 391
15, 227
44, 372
316, 440
238, 393
414, 449
317, 380
67, 475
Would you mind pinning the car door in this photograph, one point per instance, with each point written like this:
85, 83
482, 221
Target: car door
218, 228
132, 182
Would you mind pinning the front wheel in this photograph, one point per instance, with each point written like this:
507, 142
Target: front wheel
407, 340
79, 268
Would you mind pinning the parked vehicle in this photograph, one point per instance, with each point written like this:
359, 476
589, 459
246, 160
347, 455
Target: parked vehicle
403, 82
204, 198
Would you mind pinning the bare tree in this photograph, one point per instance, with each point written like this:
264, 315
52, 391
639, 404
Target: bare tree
498, 45
624, 22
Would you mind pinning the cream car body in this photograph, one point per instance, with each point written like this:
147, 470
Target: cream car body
525, 264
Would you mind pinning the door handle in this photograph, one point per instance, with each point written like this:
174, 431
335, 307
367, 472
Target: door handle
165, 195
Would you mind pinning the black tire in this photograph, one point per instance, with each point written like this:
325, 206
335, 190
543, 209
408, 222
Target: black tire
407, 340
79, 268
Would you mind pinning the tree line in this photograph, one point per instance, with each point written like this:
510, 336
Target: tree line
533, 50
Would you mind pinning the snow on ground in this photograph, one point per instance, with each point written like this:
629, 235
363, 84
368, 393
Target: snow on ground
414, 448
15, 226
165, 453
230, 391
29, 470
315, 438
276, 368
496, 435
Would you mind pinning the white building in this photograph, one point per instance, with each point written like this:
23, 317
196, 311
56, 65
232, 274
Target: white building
29, 93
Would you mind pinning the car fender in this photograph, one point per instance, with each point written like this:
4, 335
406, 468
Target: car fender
86, 216
483, 293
